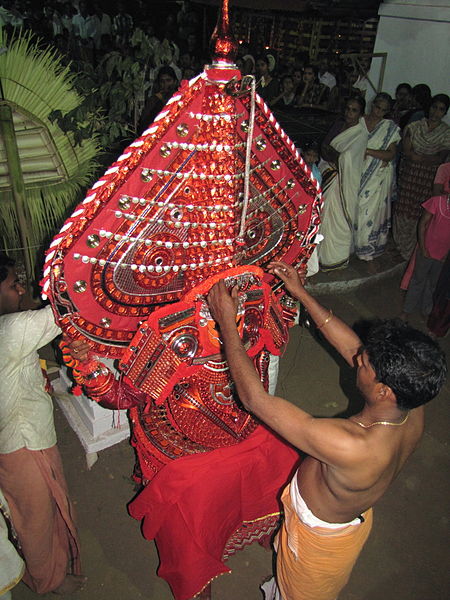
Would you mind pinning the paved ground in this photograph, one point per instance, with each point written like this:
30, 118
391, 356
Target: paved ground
406, 557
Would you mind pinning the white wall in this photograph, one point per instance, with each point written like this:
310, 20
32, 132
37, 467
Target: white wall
416, 36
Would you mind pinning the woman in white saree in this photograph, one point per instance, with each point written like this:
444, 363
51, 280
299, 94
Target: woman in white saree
374, 200
341, 180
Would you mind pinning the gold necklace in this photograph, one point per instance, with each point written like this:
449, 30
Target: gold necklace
384, 423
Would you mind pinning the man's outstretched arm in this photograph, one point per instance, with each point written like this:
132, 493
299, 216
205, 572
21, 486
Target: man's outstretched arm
338, 333
329, 440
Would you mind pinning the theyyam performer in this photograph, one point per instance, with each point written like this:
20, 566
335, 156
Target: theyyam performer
213, 190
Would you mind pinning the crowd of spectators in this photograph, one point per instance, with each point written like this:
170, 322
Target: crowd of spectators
88, 33
403, 140
303, 84
88, 30
388, 166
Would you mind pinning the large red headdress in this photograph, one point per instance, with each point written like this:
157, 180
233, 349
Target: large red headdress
213, 183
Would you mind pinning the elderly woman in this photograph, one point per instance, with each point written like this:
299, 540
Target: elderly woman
343, 148
425, 145
375, 193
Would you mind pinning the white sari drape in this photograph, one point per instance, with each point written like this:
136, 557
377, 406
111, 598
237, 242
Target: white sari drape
12, 566
375, 193
341, 197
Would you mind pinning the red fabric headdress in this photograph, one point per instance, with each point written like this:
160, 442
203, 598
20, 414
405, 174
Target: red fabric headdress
213, 183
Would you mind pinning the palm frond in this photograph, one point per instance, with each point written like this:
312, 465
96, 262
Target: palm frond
36, 84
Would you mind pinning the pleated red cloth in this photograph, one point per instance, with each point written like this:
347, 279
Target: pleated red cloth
194, 505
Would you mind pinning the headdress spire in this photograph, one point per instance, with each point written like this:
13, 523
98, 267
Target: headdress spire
223, 45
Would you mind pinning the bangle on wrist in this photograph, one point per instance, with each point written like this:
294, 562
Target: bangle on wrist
327, 320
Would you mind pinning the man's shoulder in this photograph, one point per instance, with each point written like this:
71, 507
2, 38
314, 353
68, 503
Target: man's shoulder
12, 320
13, 330
24, 319
23, 333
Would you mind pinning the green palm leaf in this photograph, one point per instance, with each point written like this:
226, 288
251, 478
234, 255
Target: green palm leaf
55, 165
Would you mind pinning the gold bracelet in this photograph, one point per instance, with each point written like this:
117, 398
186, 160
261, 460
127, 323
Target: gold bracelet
327, 320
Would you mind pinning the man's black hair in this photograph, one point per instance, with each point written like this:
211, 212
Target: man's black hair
5, 263
422, 94
407, 360
313, 145
166, 70
314, 69
402, 86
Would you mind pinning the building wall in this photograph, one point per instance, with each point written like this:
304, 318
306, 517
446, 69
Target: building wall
416, 36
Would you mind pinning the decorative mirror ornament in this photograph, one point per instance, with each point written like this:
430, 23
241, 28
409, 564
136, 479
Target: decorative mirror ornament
80, 286
93, 240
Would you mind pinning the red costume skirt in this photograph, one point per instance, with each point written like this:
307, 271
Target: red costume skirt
199, 509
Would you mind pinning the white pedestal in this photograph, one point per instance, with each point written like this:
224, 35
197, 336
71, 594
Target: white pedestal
97, 428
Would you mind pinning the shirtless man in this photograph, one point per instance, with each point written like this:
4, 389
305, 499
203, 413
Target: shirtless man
31, 476
350, 462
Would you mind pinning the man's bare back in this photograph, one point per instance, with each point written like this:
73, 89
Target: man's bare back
340, 494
